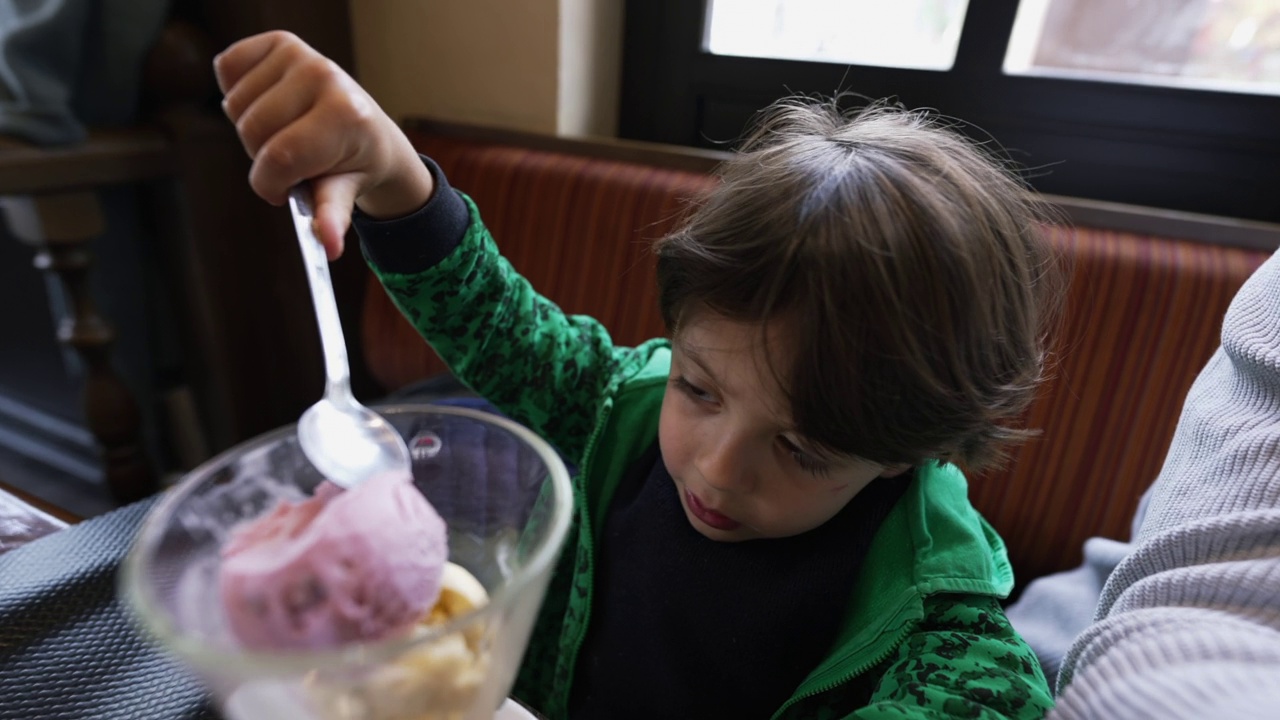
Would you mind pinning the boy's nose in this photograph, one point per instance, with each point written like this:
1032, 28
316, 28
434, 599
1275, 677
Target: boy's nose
725, 467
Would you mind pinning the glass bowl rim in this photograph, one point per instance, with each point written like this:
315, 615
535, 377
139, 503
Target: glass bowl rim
156, 622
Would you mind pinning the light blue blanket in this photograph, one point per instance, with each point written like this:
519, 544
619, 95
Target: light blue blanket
65, 64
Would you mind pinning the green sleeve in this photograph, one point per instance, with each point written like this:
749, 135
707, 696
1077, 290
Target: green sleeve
963, 660
548, 370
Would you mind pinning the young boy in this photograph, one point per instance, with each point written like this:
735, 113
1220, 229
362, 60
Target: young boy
768, 524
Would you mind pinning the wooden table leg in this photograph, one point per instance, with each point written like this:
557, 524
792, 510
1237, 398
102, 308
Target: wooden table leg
61, 226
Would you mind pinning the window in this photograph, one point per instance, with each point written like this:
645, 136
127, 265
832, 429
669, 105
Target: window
904, 33
1163, 103
1229, 45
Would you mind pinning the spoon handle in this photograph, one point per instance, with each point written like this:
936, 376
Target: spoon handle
337, 372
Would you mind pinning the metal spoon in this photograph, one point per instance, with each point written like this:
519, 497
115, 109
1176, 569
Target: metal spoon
346, 441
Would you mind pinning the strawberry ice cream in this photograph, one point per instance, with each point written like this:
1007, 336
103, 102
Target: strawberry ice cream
342, 566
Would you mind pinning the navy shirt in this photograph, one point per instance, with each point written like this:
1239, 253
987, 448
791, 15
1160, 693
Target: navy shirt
686, 627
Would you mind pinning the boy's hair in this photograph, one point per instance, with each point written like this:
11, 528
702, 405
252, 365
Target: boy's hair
907, 263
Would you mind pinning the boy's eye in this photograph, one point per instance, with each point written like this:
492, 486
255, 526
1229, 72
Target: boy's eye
690, 389
804, 460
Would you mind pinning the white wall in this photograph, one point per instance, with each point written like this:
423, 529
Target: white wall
540, 65
590, 66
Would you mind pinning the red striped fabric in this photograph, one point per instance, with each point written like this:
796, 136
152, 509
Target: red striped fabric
1143, 315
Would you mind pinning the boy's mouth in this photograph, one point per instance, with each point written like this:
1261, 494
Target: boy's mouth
707, 515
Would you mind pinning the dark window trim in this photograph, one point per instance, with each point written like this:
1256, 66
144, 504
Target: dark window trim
1081, 213
1184, 150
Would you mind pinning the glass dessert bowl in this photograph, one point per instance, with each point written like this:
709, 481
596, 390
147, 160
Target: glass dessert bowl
506, 500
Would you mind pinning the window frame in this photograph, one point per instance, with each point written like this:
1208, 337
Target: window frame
1200, 151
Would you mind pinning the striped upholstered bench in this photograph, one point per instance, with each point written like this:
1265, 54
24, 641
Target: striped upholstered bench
1143, 315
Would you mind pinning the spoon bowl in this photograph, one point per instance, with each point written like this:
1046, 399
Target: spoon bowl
346, 441
349, 444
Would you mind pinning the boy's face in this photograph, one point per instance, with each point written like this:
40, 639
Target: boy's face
741, 469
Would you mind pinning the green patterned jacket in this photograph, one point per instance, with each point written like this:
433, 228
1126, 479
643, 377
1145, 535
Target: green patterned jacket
924, 632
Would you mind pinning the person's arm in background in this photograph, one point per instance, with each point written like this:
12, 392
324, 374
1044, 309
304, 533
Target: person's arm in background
1053, 610
1188, 625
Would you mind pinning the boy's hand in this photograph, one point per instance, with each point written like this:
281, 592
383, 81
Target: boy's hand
300, 117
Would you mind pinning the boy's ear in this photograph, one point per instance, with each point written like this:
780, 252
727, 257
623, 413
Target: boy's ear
895, 470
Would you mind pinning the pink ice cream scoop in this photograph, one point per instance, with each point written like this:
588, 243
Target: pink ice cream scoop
343, 566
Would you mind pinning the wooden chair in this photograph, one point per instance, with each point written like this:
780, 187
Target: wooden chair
49, 202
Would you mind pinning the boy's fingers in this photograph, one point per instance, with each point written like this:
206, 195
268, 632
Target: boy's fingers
258, 81
231, 64
270, 113
300, 151
335, 198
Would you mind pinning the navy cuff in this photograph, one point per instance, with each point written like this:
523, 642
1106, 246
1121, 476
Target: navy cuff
417, 241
